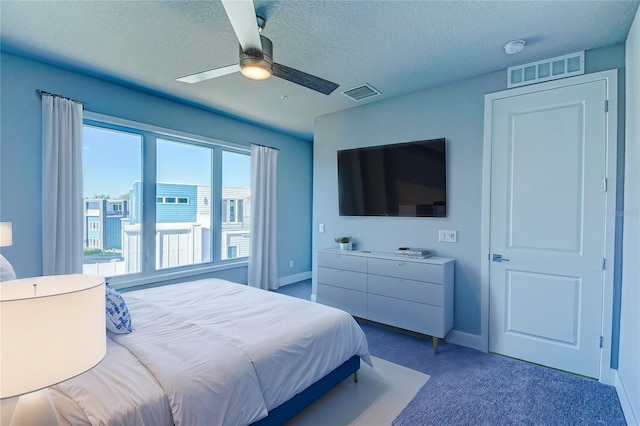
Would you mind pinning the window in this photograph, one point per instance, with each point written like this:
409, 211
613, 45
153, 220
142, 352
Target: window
112, 166
240, 210
232, 210
174, 200
236, 192
183, 230
184, 226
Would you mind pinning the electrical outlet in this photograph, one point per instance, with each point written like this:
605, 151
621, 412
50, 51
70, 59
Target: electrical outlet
448, 236
321, 227
291, 264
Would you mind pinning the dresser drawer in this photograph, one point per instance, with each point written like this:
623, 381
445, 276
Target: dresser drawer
425, 319
402, 268
340, 278
416, 291
342, 261
354, 302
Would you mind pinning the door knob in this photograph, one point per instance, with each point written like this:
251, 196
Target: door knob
499, 258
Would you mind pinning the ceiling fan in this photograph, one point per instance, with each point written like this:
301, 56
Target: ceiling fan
256, 53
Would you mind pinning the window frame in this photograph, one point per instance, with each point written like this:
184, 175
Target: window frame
150, 134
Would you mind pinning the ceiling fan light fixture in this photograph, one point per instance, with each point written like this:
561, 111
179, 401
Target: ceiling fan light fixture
256, 64
256, 69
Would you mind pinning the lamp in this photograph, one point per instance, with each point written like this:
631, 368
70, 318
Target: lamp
52, 329
6, 234
6, 239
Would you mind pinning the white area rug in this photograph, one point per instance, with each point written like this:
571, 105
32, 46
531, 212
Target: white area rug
379, 396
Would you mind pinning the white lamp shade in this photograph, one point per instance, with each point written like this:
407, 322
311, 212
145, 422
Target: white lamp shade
6, 234
51, 336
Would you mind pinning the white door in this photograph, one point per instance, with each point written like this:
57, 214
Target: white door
548, 205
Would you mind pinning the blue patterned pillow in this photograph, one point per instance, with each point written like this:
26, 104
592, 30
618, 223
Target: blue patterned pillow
118, 318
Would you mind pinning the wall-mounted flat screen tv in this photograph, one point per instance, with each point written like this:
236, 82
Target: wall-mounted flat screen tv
404, 179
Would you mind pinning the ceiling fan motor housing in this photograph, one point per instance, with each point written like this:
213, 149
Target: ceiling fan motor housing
254, 57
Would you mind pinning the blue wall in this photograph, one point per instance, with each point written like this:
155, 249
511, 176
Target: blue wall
21, 153
456, 112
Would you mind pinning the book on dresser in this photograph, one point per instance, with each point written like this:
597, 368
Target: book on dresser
413, 252
414, 294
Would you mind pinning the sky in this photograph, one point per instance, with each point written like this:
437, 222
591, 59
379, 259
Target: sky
112, 162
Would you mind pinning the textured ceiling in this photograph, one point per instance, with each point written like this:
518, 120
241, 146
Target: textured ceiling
396, 46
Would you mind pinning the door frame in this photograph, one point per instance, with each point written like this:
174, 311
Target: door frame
611, 79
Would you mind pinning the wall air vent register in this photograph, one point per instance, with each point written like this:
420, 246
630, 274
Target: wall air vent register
546, 70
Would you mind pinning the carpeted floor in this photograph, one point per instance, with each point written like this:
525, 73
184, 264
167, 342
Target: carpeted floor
468, 387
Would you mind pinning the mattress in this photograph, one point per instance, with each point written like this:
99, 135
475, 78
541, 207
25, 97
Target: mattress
216, 351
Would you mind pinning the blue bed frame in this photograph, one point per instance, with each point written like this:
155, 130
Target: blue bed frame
287, 410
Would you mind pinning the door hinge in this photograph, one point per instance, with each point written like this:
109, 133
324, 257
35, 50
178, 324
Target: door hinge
604, 184
604, 264
606, 106
601, 341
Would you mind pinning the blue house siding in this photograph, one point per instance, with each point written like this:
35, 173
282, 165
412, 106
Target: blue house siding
170, 209
175, 203
112, 233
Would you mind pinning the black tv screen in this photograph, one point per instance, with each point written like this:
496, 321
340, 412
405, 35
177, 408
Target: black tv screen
405, 179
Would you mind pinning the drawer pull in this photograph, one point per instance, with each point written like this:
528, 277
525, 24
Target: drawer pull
401, 264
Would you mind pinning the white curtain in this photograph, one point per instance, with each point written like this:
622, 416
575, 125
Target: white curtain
263, 254
61, 186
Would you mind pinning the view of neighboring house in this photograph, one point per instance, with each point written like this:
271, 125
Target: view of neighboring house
103, 223
183, 231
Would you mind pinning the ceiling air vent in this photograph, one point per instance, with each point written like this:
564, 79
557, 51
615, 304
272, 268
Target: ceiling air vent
361, 92
545, 70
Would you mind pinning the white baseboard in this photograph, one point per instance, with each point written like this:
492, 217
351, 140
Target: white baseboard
608, 377
473, 341
630, 414
290, 279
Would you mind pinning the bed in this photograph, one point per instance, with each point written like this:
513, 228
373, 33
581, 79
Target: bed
217, 353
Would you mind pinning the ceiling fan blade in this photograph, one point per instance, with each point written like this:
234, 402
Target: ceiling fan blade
303, 79
242, 15
206, 75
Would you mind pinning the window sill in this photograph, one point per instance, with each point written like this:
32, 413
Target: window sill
135, 280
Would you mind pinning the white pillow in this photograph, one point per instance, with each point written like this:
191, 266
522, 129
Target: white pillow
6, 270
118, 318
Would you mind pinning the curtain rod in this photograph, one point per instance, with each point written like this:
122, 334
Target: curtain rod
42, 92
265, 146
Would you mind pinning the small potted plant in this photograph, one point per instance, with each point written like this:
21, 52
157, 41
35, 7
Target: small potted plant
345, 243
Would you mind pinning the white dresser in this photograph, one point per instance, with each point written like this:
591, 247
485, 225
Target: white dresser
413, 294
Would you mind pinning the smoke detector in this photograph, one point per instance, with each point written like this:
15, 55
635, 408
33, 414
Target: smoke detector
513, 47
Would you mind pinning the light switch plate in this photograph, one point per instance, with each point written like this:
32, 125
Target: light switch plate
445, 236
321, 227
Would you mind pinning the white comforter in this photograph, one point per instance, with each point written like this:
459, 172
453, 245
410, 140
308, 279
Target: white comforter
291, 342
220, 353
